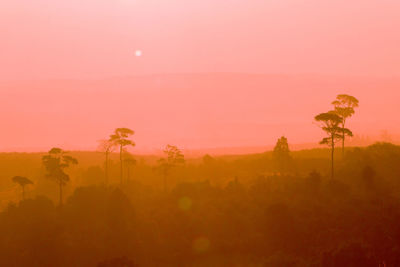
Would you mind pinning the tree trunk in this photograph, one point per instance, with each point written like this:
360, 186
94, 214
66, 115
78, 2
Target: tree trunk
343, 136
23, 192
343, 146
106, 169
61, 197
120, 159
165, 182
332, 159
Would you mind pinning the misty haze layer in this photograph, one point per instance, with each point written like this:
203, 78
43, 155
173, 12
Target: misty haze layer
191, 111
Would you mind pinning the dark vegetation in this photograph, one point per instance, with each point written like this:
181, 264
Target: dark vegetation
223, 211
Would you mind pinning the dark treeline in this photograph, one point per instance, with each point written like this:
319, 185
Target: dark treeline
279, 208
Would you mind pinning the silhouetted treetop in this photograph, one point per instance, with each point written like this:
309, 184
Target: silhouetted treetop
55, 162
330, 123
120, 139
344, 107
174, 157
281, 155
22, 181
345, 101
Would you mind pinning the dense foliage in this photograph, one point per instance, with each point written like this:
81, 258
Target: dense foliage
220, 211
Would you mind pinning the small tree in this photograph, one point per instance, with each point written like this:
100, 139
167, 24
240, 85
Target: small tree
344, 107
281, 155
129, 161
55, 162
120, 139
174, 157
22, 181
330, 123
107, 147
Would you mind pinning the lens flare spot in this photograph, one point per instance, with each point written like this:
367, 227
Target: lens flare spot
185, 203
201, 244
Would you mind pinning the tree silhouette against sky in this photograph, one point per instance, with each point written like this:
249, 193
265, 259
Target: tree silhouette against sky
344, 107
174, 157
281, 155
330, 123
106, 146
55, 162
120, 139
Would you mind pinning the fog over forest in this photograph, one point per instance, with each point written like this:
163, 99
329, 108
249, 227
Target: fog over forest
212, 133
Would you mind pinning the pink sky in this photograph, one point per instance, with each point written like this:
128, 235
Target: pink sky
348, 46
97, 38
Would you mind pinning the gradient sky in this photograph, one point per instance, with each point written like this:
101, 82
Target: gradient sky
355, 44
96, 38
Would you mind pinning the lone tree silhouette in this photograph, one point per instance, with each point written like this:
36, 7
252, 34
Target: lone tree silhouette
330, 122
22, 181
344, 107
281, 155
120, 139
55, 163
174, 157
107, 147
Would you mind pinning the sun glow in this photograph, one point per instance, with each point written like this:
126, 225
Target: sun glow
138, 53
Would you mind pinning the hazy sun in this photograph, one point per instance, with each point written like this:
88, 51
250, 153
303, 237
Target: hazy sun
138, 53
